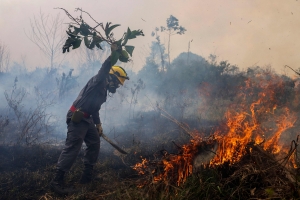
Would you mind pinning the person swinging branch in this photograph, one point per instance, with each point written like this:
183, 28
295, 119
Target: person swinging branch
84, 125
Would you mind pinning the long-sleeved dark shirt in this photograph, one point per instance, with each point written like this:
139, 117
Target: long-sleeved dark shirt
94, 94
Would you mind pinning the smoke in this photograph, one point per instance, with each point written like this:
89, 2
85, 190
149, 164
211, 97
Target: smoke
193, 90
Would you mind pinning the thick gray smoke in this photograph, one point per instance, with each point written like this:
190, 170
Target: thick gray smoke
34, 103
191, 90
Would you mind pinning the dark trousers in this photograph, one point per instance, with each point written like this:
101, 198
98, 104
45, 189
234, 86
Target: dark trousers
77, 133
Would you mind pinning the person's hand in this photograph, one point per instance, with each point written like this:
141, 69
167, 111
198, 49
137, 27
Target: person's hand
114, 47
99, 129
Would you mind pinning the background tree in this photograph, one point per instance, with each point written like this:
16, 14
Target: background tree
46, 34
31, 123
65, 83
172, 28
188, 56
161, 48
4, 57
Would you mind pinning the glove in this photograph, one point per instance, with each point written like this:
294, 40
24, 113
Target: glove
99, 129
114, 47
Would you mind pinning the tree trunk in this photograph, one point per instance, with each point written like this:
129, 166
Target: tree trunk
169, 47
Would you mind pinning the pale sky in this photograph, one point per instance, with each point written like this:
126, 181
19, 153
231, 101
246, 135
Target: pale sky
244, 32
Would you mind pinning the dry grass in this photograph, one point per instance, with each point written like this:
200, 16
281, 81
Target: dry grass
26, 173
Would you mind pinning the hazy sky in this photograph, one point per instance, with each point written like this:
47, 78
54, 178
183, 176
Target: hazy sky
244, 32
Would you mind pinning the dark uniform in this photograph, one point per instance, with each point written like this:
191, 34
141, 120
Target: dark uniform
89, 100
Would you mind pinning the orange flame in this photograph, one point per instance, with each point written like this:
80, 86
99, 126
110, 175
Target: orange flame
246, 126
140, 167
255, 118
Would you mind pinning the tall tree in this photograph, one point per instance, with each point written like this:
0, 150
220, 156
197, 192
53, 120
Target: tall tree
172, 28
46, 34
4, 57
161, 49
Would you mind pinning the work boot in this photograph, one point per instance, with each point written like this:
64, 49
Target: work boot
57, 184
87, 174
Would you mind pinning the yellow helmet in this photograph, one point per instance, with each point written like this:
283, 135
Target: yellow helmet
120, 73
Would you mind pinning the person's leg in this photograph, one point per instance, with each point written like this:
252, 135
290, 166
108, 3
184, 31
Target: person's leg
92, 141
75, 136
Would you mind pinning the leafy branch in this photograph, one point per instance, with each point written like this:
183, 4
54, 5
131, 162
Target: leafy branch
79, 30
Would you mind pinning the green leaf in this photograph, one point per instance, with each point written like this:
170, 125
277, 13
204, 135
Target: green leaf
107, 25
87, 42
84, 29
97, 39
128, 33
129, 49
125, 41
71, 34
114, 58
76, 43
70, 40
66, 47
119, 42
131, 36
125, 54
76, 31
109, 29
135, 33
123, 59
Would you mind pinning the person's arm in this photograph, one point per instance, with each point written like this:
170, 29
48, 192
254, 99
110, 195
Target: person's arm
96, 118
106, 66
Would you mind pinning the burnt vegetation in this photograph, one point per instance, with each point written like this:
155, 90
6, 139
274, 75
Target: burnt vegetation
171, 117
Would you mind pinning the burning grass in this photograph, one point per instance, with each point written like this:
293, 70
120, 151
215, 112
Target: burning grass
245, 151
257, 174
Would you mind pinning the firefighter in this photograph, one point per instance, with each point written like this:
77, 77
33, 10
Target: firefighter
83, 122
